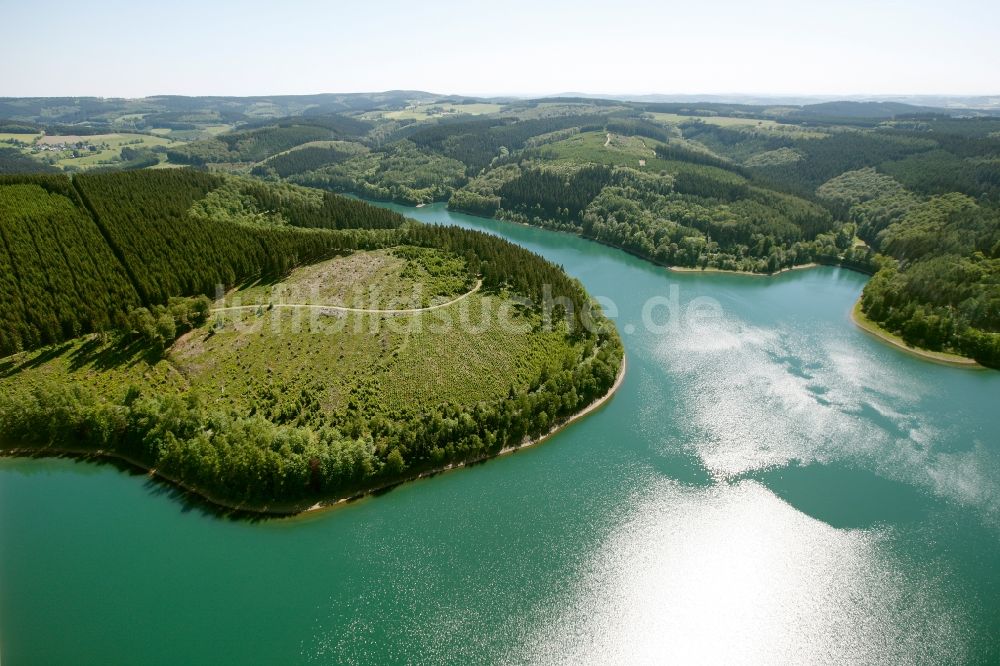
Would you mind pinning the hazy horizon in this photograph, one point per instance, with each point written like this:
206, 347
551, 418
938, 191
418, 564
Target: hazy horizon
774, 48
818, 97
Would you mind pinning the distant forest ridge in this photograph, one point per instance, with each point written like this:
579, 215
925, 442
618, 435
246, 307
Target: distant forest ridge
53, 111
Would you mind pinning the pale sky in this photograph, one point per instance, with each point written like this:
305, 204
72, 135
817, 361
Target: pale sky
251, 47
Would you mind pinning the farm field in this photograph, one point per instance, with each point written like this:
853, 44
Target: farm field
92, 150
7, 137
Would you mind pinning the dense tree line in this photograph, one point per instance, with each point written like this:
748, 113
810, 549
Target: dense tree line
319, 210
708, 184
144, 215
869, 199
939, 280
821, 157
940, 172
940, 286
841, 110
554, 195
969, 128
928, 158
638, 127
13, 127
680, 153
160, 325
91, 129
707, 109
434, 137
480, 196
12, 160
60, 279
825, 158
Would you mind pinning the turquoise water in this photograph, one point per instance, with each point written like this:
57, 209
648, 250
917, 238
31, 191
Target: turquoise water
769, 485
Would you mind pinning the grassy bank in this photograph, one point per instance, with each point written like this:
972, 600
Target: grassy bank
873, 329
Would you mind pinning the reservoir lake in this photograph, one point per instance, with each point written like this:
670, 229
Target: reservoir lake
770, 484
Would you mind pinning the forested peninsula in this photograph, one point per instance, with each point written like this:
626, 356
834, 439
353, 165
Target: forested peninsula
118, 343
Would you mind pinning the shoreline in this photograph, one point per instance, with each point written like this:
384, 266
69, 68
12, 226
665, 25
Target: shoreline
859, 319
673, 269
279, 510
554, 430
726, 271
